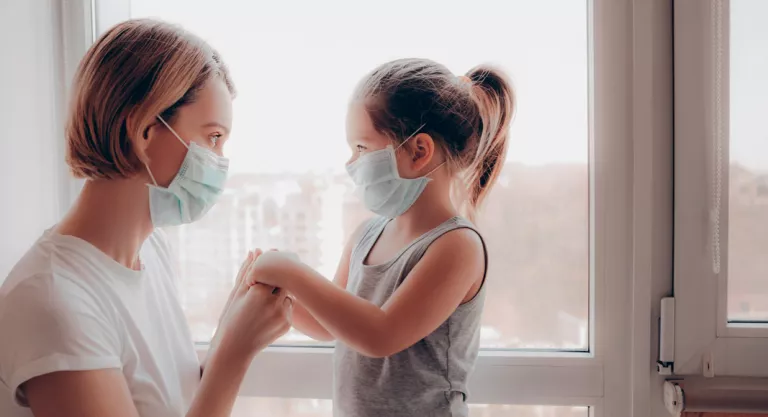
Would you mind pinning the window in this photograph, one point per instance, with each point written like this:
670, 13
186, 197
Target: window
291, 158
554, 330
748, 169
721, 293
269, 407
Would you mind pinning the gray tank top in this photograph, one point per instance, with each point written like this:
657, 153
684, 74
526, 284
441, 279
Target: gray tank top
427, 379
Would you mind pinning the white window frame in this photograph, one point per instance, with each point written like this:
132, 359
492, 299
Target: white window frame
613, 379
705, 342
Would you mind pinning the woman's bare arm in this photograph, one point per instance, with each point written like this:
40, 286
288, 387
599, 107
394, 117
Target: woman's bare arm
257, 318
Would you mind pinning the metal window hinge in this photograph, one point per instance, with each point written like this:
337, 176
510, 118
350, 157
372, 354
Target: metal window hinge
666, 360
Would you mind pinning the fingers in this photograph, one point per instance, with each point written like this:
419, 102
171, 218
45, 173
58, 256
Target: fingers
248, 280
243, 281
238, 281
244, 267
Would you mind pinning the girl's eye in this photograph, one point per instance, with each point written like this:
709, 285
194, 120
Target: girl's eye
215, 139
360, 148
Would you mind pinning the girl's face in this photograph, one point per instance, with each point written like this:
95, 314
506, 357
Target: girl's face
413, 157
207, 122
362, 137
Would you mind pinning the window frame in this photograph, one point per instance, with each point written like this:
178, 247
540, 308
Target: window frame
705, 342
598, 379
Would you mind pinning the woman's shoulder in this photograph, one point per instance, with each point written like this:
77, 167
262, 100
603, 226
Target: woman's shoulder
50, 282
36, 263
46, 295
52, 323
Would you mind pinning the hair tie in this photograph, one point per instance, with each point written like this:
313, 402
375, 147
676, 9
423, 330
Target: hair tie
464, 79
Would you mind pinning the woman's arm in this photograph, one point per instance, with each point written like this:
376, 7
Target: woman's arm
220, 384
102, 392
256, 318
105, 392
432, 291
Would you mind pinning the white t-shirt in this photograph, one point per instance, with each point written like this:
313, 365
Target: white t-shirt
68, 306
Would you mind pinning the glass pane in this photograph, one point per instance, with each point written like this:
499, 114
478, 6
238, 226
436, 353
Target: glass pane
295, 65
748, 178
298, 407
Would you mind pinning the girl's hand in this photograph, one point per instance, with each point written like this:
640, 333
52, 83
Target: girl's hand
273, 268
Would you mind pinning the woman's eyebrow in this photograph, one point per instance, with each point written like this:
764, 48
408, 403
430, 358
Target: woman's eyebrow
217, 124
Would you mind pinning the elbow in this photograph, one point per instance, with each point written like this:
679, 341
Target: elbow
373, 353
323, 337
378, 349
379, 342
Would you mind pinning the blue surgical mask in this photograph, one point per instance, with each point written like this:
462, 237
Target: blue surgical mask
195, 189
382, 189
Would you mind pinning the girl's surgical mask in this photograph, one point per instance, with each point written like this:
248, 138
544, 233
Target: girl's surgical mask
382, 189
195, 189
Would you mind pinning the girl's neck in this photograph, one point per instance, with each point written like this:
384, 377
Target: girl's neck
113, 216
432, 208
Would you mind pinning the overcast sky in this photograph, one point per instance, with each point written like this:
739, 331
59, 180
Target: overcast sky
295, 64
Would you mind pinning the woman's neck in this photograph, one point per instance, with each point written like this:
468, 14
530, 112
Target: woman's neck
113, 216
432, 208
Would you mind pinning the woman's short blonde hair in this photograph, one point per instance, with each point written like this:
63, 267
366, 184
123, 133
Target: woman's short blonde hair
137, 70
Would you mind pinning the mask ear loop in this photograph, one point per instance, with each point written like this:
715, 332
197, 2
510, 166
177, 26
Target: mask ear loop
150, 174
177, 137
173, 131
435, 169
412, 135
409, 138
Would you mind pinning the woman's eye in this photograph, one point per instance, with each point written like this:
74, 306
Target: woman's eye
360, 148
215, 138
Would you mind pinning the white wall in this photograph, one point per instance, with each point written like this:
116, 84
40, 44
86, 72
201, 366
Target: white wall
31, 163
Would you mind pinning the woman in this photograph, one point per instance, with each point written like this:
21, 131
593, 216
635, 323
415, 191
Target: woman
89, 318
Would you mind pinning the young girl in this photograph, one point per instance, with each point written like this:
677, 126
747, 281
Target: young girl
407, 298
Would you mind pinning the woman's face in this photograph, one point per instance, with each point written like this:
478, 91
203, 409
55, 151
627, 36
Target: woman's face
207, 122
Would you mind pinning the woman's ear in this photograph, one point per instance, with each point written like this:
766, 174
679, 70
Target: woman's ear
143, 140
422, 151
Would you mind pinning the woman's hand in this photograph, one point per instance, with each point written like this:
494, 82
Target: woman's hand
252, 255
255, 316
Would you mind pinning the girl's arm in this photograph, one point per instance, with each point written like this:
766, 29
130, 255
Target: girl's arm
302, 318
305, 323
429, 295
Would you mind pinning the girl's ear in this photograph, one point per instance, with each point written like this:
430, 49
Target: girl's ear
421, 149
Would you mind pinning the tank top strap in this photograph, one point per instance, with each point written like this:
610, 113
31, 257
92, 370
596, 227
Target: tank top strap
370, 234
418, 248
